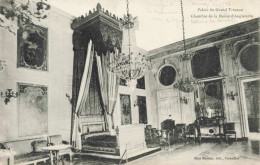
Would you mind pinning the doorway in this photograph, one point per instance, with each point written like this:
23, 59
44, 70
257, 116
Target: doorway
251, 106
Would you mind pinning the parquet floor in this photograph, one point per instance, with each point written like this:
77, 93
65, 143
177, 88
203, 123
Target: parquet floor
207, 153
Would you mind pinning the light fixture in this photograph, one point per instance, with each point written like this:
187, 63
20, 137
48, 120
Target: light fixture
136, 103
184, 100
8, 95
2, 65
23, 12
232, 95
131, 63
186, 83
69, 98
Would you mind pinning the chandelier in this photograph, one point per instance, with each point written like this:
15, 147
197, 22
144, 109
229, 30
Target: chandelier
23, 11
130, 64
185, 84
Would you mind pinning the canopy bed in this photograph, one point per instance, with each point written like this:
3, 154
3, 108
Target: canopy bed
97, 41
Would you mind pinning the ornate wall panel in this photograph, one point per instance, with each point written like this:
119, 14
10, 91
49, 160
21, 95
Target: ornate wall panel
141, 100
32, 47
125, 105
32, 109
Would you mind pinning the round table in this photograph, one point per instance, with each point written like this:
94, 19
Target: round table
54, 151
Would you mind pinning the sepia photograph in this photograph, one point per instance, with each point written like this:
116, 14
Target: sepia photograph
129, 82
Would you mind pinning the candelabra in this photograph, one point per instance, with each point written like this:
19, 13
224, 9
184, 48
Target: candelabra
232, 95
8, 95
184, 100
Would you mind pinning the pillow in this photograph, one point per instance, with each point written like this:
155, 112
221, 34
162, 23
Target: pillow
38, 145
96, 128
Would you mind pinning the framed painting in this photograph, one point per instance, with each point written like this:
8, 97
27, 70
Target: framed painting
32, 109
32, 47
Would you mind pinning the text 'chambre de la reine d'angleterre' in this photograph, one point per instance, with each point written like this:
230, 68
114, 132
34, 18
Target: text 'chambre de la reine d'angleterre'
221, 13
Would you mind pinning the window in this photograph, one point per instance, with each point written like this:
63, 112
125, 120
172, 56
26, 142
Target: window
140, 83
206, 63
122, 82
249, 59
167, 75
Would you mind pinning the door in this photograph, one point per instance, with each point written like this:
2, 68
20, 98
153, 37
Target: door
168, 109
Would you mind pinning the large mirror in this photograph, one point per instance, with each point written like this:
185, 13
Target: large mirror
209, 100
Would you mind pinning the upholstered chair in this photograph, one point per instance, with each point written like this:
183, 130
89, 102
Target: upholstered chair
230, 131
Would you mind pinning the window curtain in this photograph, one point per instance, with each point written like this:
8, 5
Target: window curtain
109, 84
82, 97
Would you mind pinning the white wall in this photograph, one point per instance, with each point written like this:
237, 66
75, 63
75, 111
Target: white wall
165, 100
133, 92
58, 78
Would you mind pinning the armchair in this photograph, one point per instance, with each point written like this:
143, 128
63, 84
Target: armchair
230, 131
191, 131
165, 138
168, 130
180, 131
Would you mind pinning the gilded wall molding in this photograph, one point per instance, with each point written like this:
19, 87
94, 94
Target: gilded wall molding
241, 29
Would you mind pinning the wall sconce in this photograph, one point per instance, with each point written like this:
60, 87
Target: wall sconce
2, 65
232, 95
184, 100
69, 98
136, 103
8, 94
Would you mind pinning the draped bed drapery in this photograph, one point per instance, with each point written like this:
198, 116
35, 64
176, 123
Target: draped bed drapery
82, 95
109, 84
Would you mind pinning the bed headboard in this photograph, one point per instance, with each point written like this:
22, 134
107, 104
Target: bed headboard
95, 127
92, 124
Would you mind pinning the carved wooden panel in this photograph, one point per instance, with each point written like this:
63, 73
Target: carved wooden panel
125, 105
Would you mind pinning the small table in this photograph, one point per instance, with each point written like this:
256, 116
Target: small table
4, 153
54, 151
